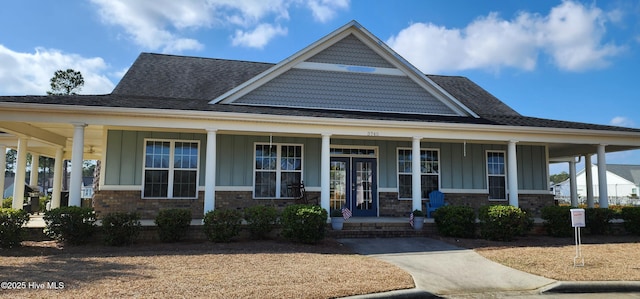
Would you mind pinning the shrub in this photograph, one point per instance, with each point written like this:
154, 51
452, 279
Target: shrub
418, 213
455, 221
335, 213
260, 220
557, 221
11, 222
173, 224
72, 225
631, 217
222, 225
120, 228
304, 223
7, 202
598, 220
503, 223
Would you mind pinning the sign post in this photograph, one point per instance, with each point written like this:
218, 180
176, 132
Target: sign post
578, 221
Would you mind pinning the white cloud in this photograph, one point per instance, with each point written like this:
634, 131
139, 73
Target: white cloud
259, 37
622, 121
325, 10
164, 24
571, 34
29, 73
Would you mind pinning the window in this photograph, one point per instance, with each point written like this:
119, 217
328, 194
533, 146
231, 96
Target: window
429, 170
277, 165
171, 169
496, 178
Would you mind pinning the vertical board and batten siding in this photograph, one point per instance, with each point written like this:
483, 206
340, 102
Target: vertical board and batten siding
464, 168
125, 155
532, 167
236, 158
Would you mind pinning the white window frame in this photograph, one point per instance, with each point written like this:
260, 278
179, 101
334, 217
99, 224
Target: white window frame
171, 169
278, 169
503, 175
421, 168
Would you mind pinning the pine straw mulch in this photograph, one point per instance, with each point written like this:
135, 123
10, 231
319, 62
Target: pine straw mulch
606, 258
257, 269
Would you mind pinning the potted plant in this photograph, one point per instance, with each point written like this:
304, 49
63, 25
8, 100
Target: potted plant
337, 221
418, 219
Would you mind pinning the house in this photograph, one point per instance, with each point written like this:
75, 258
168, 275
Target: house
347, 116
623, 183
87, 187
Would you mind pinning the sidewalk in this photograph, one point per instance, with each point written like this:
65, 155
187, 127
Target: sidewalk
439, 268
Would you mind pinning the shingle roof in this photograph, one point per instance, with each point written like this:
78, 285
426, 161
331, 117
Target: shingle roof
169, 76
628, 172
158, 81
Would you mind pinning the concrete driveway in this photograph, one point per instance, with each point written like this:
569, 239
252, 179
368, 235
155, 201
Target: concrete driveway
441, 269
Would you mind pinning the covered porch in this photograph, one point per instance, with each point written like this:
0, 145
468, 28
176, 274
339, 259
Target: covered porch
83, 141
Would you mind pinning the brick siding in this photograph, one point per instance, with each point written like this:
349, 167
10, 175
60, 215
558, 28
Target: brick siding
106, 201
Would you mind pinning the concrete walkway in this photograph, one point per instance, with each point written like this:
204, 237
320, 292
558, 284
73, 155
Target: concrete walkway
440, 269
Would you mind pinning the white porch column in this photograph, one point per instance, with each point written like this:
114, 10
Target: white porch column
35, 164
3, 168
573, 185
57, 179
77, 152
512, 173
602, 178
416, 180
210, 172
19, 179
589, 185
325, 172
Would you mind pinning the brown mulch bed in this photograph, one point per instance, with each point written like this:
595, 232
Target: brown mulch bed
606, 257
259, 269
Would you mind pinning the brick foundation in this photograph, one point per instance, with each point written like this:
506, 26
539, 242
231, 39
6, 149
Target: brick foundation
131, 201
107, 201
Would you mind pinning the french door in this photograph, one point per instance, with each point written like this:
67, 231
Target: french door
353, 184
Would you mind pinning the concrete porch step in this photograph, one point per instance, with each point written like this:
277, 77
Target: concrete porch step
381, 229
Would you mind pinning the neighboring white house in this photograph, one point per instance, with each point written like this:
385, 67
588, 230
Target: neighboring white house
622, 184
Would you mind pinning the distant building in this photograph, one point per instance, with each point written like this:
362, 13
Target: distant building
623, 183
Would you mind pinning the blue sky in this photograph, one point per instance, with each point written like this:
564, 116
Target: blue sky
568, 60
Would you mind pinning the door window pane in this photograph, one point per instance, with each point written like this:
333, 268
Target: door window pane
338, 184
364, 185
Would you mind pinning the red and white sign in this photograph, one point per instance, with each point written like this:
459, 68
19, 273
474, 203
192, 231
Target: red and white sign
577, 218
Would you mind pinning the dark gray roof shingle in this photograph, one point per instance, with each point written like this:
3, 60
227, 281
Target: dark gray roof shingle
183, 77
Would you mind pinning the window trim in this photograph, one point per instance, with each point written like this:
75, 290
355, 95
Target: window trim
171, 169
398, 172
506, 191
278, 169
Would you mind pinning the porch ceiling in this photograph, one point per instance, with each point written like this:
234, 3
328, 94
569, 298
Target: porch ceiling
560, 151
94, 140
41, 142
